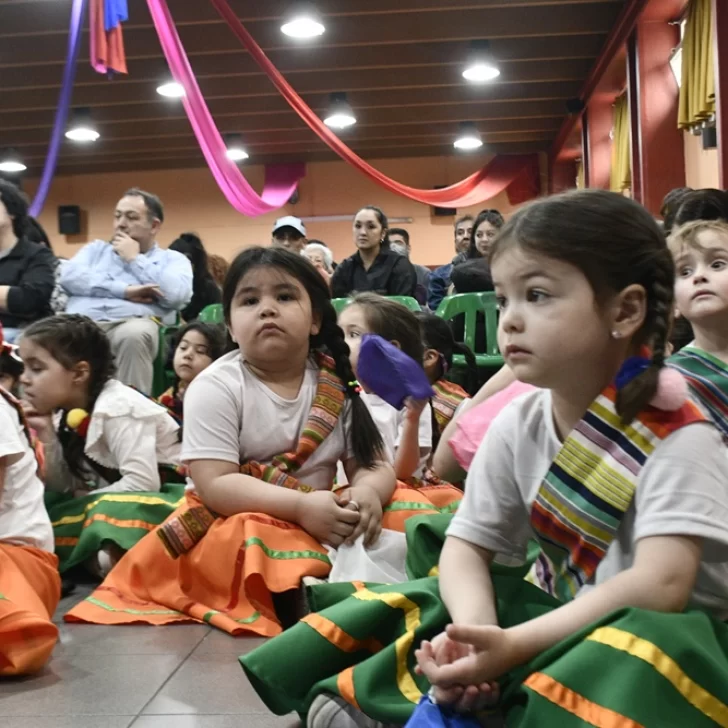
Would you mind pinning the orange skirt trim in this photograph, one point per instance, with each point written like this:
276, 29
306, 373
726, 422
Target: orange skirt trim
30, 588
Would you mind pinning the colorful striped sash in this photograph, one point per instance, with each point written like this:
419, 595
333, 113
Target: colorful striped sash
708, 381
181, 533
447, 399
591, 484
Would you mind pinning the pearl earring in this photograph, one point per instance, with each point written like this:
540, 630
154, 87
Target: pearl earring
616, 334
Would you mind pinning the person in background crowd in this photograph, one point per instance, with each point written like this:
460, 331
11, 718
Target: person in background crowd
375, 266
399, 240
440, 278
36, 234
289, 232
670, 205
321, 257
205, 291
706, 204
27, 269
128, 284
218, 267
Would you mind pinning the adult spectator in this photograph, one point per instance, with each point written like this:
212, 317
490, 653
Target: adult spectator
289, 233
218, 268
705, 204
35, 232
440, 278
129, 284
375, 266
670, 205
27, 269
205, 292
399, 241
321, 258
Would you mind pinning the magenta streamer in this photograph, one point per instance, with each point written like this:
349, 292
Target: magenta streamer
64, 101
281, 180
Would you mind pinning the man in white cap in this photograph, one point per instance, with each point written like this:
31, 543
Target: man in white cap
290, 233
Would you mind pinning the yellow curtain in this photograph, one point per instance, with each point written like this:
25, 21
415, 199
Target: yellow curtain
621, 178
697, 89
580, 180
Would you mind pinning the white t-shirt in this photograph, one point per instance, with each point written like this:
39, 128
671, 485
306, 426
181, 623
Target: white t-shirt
682, 490
23, 517
231, 415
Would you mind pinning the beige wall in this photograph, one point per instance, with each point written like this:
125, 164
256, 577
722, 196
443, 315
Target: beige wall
701, 166
194, 203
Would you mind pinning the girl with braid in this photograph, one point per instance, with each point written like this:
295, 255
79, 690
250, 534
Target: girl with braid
265, 426
608, 465
104, 443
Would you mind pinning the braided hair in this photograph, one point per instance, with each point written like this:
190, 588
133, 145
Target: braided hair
615, 243
365, 438
70, 339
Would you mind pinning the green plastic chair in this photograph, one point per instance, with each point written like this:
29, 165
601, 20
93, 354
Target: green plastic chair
212, 314
340, 304
470, 304
163, 378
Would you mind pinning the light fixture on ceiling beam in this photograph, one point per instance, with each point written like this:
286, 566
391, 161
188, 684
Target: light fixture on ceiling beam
469, 137
234, 148
11, 163
303, 24
481, 66
82, 128
171, 90
340, 115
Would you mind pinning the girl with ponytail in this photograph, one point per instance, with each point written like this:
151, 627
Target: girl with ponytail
104, 443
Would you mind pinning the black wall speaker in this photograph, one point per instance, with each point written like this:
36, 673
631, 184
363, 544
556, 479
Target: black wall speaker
710, 137
443, 211
69, 220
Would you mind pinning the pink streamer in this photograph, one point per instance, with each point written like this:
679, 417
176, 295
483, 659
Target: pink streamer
281, 180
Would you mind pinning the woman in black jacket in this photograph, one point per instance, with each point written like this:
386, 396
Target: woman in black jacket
205, 291
374, 267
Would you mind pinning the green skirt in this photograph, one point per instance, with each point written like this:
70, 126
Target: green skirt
82, 525
633, 668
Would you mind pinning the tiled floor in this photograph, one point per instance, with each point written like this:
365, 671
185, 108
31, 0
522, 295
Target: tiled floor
184, 676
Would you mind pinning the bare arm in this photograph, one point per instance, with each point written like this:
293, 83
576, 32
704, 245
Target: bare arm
407, 457
380, 478
503, 378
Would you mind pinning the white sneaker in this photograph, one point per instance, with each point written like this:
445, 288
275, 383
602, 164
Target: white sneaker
331, 711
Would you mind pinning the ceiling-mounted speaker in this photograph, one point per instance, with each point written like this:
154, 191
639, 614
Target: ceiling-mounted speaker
295, 198
575, 106
710, 137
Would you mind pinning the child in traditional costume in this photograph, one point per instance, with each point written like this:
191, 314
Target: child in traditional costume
104, 443
700, 250
30, 586
265, 426
196, 346
618, 475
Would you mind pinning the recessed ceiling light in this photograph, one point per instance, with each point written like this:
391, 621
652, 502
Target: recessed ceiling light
82, 134
235, 150
171, 90
10, 162
469, 137
481, 66
303, 26
340, 114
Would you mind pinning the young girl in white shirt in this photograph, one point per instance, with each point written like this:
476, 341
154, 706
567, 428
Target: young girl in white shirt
29, 581
620, 478
104, 443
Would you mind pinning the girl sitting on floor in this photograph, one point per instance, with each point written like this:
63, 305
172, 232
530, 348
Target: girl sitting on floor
197, 345
29, 583
103, 442
608, 464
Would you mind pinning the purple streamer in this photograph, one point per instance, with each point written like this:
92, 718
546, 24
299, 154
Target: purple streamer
64, 101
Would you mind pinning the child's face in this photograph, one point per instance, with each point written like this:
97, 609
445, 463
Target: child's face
701, 285
47, 384
354, 325
271, 317
191, 356
551, 331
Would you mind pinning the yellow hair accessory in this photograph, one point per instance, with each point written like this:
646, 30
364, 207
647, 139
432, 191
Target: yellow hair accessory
75, 418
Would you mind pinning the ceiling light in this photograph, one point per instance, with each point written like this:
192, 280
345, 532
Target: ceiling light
81, 128
469, 137
481, 66
340, 114
235, 150
171, 90
303, 25
10, 162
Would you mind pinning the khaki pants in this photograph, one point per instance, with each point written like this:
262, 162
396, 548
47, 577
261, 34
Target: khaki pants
134, 343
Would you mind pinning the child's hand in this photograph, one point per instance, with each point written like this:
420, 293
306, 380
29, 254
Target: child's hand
42, 424
325, 516
369, 505
490, 655
414, 409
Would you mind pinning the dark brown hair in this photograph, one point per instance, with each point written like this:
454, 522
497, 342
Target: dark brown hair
615, 243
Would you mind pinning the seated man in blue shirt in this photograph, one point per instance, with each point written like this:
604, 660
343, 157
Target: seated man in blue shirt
130, 284
440, 279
